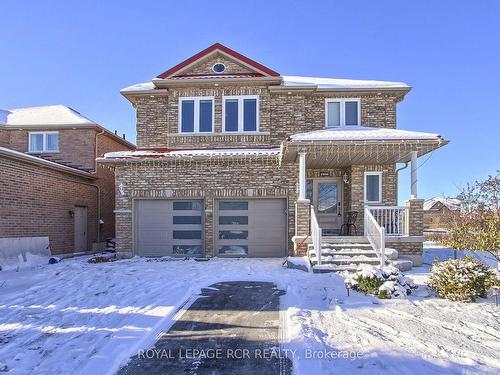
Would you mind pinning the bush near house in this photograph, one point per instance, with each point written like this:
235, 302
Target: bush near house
383, 282
462, 280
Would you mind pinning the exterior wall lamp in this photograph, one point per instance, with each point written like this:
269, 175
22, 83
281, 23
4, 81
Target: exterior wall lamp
345, 177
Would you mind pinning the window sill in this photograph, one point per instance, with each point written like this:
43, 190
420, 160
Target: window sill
217, 134
43, 152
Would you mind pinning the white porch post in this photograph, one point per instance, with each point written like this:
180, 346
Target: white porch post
413, 175
302, 175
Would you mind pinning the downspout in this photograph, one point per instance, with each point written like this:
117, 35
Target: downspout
98, 189
404, 167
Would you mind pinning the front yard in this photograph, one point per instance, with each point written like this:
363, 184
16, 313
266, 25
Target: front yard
75, 317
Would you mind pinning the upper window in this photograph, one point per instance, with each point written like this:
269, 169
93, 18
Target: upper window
196, 115
219, 68
373, 187
240, 113
43, 142
342, 112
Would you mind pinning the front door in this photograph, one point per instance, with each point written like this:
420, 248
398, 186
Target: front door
327, 201
80, 229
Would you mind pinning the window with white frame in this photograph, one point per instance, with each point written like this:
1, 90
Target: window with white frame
342, 112
43, 142
240, 113
373, 187
196, 114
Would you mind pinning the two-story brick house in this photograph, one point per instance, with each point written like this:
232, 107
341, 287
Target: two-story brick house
51, 185
234, 159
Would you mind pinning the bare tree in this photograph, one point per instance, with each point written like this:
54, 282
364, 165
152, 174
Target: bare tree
476, 226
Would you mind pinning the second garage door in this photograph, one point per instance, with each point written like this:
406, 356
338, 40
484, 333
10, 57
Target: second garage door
253, 228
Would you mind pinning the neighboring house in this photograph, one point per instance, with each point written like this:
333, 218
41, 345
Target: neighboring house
232, 157
51, 185
437, 211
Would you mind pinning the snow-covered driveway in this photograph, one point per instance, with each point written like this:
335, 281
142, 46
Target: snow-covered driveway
75, 317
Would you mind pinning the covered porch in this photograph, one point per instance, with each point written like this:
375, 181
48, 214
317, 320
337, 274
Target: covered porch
348, 186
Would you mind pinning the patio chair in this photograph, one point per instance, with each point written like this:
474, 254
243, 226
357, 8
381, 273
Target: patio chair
350, 222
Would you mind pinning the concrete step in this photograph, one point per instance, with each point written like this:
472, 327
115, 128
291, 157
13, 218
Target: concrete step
325, 268
343, 245
344, 239
391, 254
346, 261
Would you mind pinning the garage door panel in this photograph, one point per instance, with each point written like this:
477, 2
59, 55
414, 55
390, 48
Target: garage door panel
263, 231
169, 227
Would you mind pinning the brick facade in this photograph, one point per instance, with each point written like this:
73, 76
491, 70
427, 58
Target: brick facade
55, 192
259, 177
37, 201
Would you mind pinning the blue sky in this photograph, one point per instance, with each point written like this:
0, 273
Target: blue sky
81, 53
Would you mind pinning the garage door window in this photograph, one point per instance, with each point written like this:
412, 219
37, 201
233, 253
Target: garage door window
188, 205
189, 250
233, 235
187, 219
233, 220
233, 250
187, 234
233, 206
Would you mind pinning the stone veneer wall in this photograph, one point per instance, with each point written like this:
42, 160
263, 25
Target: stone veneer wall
280, 115
258, 177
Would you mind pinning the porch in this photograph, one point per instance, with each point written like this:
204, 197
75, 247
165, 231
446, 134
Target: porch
348, 187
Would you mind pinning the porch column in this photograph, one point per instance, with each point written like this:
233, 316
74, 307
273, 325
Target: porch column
413, 175
302, 176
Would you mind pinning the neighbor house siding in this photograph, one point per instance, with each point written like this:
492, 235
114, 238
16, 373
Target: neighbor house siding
36, 201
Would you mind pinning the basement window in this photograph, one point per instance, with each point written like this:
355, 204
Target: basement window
196, 114
240, 113
342, 112
39, 142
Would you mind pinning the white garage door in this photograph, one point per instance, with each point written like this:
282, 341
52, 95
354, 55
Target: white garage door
168, 227
253, 228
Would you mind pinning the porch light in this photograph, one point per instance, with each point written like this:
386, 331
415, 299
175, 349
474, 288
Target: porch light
345, 177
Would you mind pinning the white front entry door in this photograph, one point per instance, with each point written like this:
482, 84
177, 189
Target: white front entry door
327, 201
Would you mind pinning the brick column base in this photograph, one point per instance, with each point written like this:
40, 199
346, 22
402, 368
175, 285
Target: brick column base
302, 222
415, 217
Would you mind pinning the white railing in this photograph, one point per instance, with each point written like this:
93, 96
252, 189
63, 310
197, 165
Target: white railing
392, 218
316, 234
375, 234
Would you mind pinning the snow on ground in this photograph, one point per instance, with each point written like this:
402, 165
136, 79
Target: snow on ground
75, 317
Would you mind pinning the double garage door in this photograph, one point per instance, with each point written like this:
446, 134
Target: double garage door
253, 228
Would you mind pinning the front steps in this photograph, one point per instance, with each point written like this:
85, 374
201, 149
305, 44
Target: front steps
346, 253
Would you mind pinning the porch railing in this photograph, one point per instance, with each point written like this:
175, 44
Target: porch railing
394, 219
316, 235
375, 234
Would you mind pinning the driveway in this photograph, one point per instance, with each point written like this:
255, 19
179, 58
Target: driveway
232, 328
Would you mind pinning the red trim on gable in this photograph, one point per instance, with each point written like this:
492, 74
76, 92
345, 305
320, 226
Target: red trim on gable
218, 46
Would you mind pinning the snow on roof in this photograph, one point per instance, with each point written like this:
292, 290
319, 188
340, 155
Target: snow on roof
144, 86
158, 153
45, 115
337, 83
296, 81
450, 203
361, 133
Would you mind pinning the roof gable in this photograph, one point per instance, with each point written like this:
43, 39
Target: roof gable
201, 64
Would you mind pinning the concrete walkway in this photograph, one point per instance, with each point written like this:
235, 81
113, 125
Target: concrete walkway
232, 328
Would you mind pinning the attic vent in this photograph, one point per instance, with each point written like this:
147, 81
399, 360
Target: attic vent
219, 68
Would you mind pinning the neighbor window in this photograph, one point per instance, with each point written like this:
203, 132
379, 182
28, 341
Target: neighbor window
43, 142
373, 187
196, 115
342, 112
240, 113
